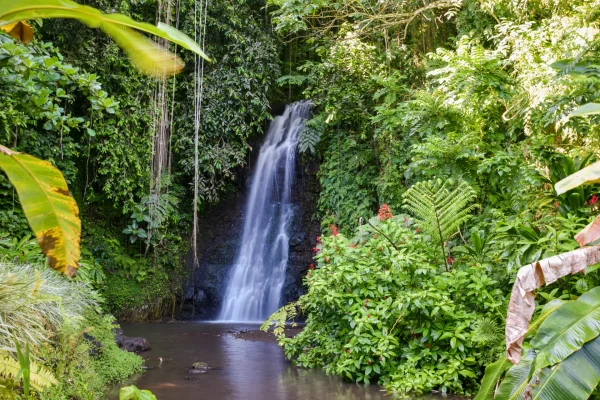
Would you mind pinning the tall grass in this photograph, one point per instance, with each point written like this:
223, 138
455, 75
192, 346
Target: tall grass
34, 303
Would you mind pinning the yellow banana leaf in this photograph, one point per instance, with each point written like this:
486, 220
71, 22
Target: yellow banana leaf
20, 30
145, 54
51, 211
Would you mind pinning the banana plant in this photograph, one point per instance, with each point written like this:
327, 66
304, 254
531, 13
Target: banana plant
50, 209
143, 52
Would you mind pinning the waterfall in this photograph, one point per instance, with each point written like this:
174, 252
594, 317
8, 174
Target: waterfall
257, 276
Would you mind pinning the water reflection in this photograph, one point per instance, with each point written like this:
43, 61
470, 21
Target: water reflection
243, 370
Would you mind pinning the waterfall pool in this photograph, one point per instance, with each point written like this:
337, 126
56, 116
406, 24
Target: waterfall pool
241, 370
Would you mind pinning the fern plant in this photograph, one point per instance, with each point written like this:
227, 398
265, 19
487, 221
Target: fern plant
440, 207
28, 371
311, 135
487, 331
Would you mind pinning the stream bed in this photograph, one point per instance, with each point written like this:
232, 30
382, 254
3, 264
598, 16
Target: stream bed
241, 369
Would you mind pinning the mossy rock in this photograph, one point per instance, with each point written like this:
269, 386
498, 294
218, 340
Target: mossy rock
200, 365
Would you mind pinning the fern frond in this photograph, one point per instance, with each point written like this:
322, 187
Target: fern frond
311, 135
9, 367
439, 208
486, 330
40, 378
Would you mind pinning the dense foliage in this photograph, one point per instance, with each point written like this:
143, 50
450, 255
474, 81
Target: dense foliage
409, 98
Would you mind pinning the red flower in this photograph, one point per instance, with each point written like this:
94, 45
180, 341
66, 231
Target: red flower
556, 204
318, 239
450, 260
384, 213
594, 200
312, 266
315, 250
334, 229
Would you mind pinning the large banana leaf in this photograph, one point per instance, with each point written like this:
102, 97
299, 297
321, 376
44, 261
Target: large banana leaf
146, 55
585, 176
573, 379
493, 373
531, 277
516, 383
586, 109
567, 329
50, 210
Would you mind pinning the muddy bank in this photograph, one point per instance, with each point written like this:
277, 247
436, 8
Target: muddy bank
256, 335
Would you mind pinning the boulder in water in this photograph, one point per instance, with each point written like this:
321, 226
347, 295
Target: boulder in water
133, 344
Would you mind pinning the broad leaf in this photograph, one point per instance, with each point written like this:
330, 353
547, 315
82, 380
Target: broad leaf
586, 176
20, 30
586, 109
573, 379
133, 393
567, 329
493, 373
531, 277
50, 210
146, 54
516, 384
590, 233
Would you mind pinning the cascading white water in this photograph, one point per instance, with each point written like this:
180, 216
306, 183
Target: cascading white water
256, 279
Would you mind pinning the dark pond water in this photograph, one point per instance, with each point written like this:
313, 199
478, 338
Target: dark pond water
243, 370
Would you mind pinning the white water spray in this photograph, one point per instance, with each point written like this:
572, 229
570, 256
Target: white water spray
257, 277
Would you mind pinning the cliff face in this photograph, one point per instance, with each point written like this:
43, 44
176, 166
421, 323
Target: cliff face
220, 230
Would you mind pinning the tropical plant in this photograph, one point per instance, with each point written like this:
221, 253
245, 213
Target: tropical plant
379, 297
50, 209
26, 371
311, 135
143, 52
440, 208
34, 303
133, 393
561, 361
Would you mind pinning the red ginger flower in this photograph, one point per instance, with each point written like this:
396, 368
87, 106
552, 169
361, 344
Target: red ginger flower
384, 213
334, 229
594, 200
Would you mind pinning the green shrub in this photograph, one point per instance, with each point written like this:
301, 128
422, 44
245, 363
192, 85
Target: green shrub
68, 336
381, 308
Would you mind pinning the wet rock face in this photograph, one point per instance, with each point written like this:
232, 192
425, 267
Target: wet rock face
220, 231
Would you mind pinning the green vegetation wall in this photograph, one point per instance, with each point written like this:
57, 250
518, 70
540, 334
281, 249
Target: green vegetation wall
73, 98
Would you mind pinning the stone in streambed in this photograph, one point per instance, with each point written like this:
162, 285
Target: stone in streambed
133, 344
200, 366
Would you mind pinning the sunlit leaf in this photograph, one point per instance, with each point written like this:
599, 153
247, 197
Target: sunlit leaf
20, 30
145, 54
586, 109
50, 210
586, 176
133, 393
